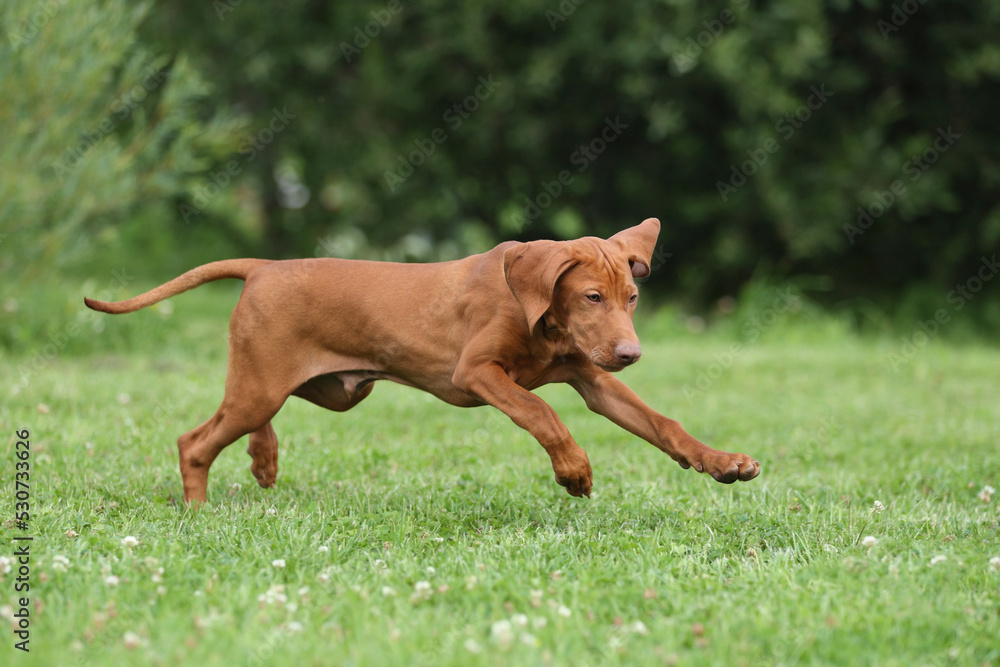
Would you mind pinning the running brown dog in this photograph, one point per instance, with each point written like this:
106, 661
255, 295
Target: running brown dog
486, 329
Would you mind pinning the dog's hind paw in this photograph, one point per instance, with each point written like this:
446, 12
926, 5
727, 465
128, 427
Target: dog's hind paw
265, 479
265, 470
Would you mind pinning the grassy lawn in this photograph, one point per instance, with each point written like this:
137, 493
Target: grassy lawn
409, 532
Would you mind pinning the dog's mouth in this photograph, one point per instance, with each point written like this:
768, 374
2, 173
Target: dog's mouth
605, 362
613, 368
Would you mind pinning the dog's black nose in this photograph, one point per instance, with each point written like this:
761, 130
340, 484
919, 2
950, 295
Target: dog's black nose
628, 353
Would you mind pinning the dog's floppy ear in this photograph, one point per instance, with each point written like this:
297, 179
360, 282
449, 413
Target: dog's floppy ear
639, 243
532, 270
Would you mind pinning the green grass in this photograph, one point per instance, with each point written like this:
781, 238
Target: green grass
661, 566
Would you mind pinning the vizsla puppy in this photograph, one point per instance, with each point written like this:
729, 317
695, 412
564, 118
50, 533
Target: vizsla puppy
486, 329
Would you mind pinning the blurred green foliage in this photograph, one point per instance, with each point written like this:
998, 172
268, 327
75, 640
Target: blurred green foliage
848, 145
97, 127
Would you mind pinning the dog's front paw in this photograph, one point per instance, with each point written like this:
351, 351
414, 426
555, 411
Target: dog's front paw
573, 471
728, 468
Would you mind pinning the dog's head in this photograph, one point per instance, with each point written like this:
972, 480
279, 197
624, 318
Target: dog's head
585, 289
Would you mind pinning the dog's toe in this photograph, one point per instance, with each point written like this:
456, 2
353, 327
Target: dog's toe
264, 476
728, 476
576, 487
749, 471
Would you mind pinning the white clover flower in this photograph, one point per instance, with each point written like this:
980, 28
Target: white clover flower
131, 640
388, 591
157, 576
539, 622
60, 563
271, 511
938, 559
564, 611
869, 541
111, 580
995, 563
422, 590
472, 646
987, 493
295, 627
520, 620
278, 563
536, 598
323, 577
130, 541
303, 591
161, 590
71, 533
7, 612
5, 565
502, 633
639, 628
430, 571
529, 639
323, 549
274, 595
878, 507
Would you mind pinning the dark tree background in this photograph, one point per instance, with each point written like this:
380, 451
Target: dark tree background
851, 145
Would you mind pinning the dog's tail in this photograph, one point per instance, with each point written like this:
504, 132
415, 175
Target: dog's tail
227, 268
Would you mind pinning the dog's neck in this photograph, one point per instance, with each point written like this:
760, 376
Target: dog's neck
556, 342
552, 331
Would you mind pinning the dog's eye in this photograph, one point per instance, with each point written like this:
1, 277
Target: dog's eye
594, 297
632, 298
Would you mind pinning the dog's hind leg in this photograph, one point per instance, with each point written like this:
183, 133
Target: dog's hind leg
238, 415
263, 449
327, 391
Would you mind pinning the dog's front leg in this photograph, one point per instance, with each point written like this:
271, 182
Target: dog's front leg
607, 395
490, 383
